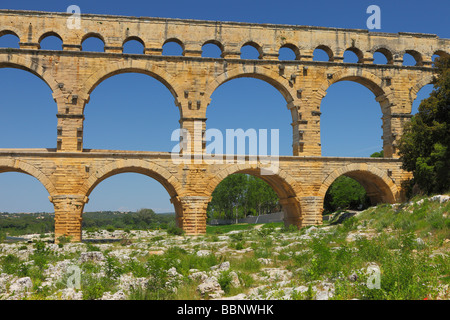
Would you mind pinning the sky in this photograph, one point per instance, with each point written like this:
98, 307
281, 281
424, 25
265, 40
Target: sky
350, 120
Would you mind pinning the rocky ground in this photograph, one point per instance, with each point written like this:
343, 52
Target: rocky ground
263, 262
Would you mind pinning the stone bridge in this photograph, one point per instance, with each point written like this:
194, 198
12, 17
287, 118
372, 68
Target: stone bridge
70, 173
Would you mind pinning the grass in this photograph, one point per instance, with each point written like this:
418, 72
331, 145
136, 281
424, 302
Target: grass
409, 244
221, 229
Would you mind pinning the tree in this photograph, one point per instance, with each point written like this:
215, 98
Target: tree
379, 154
345, 193
424, 147
240, 194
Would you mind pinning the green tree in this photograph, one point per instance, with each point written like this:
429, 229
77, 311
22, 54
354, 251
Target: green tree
241, 194
262, 198
424, 147
345, 193
379, 154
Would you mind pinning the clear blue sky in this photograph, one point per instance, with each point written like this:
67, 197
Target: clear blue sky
351, 119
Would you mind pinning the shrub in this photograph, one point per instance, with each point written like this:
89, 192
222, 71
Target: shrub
10, 264
225, 281
174, 230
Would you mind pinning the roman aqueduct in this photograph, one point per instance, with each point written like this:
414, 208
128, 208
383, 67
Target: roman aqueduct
70, 173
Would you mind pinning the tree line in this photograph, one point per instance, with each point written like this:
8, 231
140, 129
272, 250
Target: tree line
240, 195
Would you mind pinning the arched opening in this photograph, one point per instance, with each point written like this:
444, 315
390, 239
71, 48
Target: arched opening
9, 39
24, 205
130, 111
234, 192
383, 56
173, 47
241, 196
423, 93
412, 58
289, 52
212, 49
22, 193
28, 110
252, 105
438, 54
133, 45
350, 121
343, 189
353, 55
93, 42
128, 199
379, 58
345, 193
50, 41
322, 53
251, 50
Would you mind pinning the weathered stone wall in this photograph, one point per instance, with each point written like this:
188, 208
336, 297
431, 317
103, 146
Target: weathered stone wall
300, 182
70, 172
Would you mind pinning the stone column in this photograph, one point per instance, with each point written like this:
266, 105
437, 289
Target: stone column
392, 131
312, 208
305, 129
192, 50
193, 218
292, 212
270, 53
70, 121
68, 215
231, 51
70, 132
193, 140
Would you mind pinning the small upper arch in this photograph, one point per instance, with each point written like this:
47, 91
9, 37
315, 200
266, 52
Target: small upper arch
358, 53
170, 49
328, 52
14, 42
95, 36
50, 34
92, 35
293, 48
9, 31
133, 40
387, 53
210, 46
251, 55
441, 53
416, 55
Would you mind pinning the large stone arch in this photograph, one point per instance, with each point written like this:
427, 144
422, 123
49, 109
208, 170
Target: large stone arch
427, 79
253, 71
152, 170
131, 66
32, 66
363, 77
155, 171
287, 189
11, 165
379, 186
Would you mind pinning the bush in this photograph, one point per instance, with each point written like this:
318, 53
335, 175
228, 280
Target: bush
225, 281
10, 264
174, 230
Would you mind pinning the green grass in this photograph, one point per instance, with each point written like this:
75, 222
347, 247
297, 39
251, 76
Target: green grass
409, 269
227, 228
